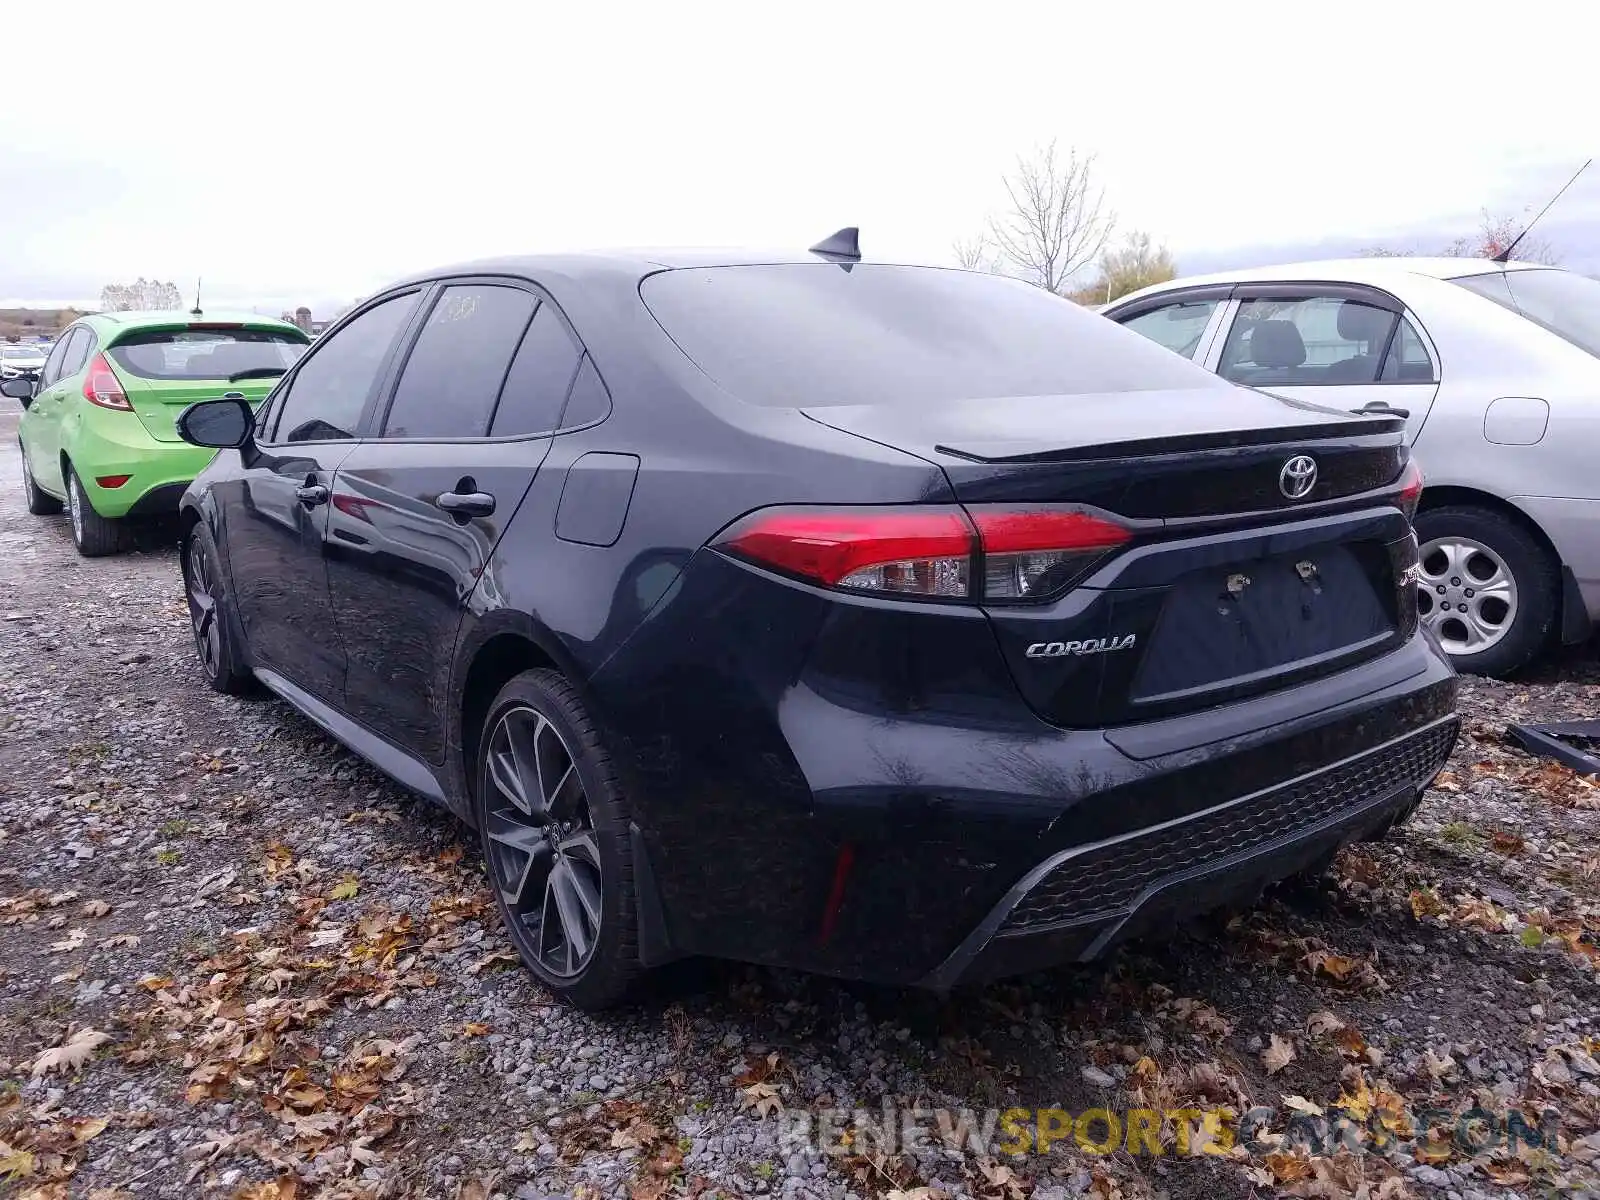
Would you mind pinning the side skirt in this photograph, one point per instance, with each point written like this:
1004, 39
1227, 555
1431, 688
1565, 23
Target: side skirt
409, 772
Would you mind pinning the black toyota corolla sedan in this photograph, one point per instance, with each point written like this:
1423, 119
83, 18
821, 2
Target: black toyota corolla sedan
891, 622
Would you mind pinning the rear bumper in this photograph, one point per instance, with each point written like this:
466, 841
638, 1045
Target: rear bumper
114, 443
857, 788
1079, 903
160, 500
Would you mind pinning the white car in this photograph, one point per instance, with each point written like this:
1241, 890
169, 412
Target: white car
19, 359
1496, 370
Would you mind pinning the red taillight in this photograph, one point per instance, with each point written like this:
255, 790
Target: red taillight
1032, 553
997, 553
112, 481
1410, 489
102, 387
926, 552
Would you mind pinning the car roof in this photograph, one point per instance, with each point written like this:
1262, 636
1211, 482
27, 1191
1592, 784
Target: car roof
1377, 271
639, 262
133, 320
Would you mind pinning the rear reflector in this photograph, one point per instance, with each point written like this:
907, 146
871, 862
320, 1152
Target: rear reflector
991, 553
101, 386
112, 481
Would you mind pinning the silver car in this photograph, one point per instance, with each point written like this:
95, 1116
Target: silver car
1496, 370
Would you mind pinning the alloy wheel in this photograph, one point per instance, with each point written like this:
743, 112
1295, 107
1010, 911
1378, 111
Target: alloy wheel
1468, 596
75, 506
544, 857
203, 608
27, 473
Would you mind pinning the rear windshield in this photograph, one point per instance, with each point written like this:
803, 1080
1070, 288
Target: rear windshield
1567, 305
807, 336
205, 353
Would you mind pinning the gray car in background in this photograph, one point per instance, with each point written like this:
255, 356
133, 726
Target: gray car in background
1496, 369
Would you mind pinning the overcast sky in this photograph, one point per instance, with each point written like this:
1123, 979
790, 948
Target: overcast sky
308, 152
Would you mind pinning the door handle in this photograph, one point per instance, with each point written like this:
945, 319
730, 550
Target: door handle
463, 505
311, 494
1384, 409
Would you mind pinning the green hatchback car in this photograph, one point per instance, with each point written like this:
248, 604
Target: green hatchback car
99, 433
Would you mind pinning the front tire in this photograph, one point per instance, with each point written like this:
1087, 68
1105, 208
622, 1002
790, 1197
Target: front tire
95, 536
210, 617
40, 503
554, 824
1489, 589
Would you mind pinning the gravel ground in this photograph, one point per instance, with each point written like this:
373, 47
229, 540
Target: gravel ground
237, 962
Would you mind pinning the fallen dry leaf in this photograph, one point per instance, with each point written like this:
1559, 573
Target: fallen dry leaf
73, 941
1321, 1022
71, 1054
1286, 1168
1278, 1054
1343, 970
96, 908
1509, 844
1425, 902
762, 1099
284, 1187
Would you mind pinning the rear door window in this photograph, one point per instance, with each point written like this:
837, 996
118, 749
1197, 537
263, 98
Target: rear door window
540, 377
1311, 341
205, 353
1408, 360
459, 362
1179, 327
83, 344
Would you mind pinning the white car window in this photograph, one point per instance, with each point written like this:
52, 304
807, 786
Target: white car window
1408, 360
1294, 343
1179, 327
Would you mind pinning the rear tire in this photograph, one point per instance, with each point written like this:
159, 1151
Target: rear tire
555, 830
1507, 581
210, 616
40, 503
94, 535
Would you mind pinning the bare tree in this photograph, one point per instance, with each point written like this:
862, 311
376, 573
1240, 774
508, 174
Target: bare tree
1494, 234
977, 254
1136, 263
142, 294
1057, 222
970, 253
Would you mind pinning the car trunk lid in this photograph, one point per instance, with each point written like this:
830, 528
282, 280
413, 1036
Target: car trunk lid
1165, 454
158, 404
163, 370
1233, 582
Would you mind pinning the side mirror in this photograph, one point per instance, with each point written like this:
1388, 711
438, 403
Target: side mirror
20, 387
224, 424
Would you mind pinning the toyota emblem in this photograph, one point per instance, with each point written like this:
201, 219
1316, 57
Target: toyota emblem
1298, 477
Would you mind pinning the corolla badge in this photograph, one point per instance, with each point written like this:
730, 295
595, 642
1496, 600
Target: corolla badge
1087, 646
1298, 477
